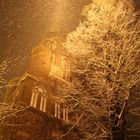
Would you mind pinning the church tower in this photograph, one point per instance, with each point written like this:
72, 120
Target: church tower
36, 90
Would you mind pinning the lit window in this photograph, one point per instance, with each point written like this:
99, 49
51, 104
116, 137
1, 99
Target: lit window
53, 45
55, 70
63, 62
34, 97
57, 110
65, 68
53, 59
43, 103
65, 114
36, 92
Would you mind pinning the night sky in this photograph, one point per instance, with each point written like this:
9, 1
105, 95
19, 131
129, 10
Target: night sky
23, 23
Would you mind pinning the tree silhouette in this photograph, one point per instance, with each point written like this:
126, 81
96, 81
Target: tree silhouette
105, 66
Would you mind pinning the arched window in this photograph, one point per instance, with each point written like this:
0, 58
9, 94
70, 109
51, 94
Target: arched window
43, 102
53, 45
39, 97
34, 98
57, 110
61, 109
65, 113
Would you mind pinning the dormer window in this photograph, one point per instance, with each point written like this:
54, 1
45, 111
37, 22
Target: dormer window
53, 45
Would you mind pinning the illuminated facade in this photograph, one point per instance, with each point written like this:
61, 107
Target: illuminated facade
48, 66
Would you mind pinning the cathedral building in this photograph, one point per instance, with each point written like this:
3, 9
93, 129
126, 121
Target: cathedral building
45, 115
